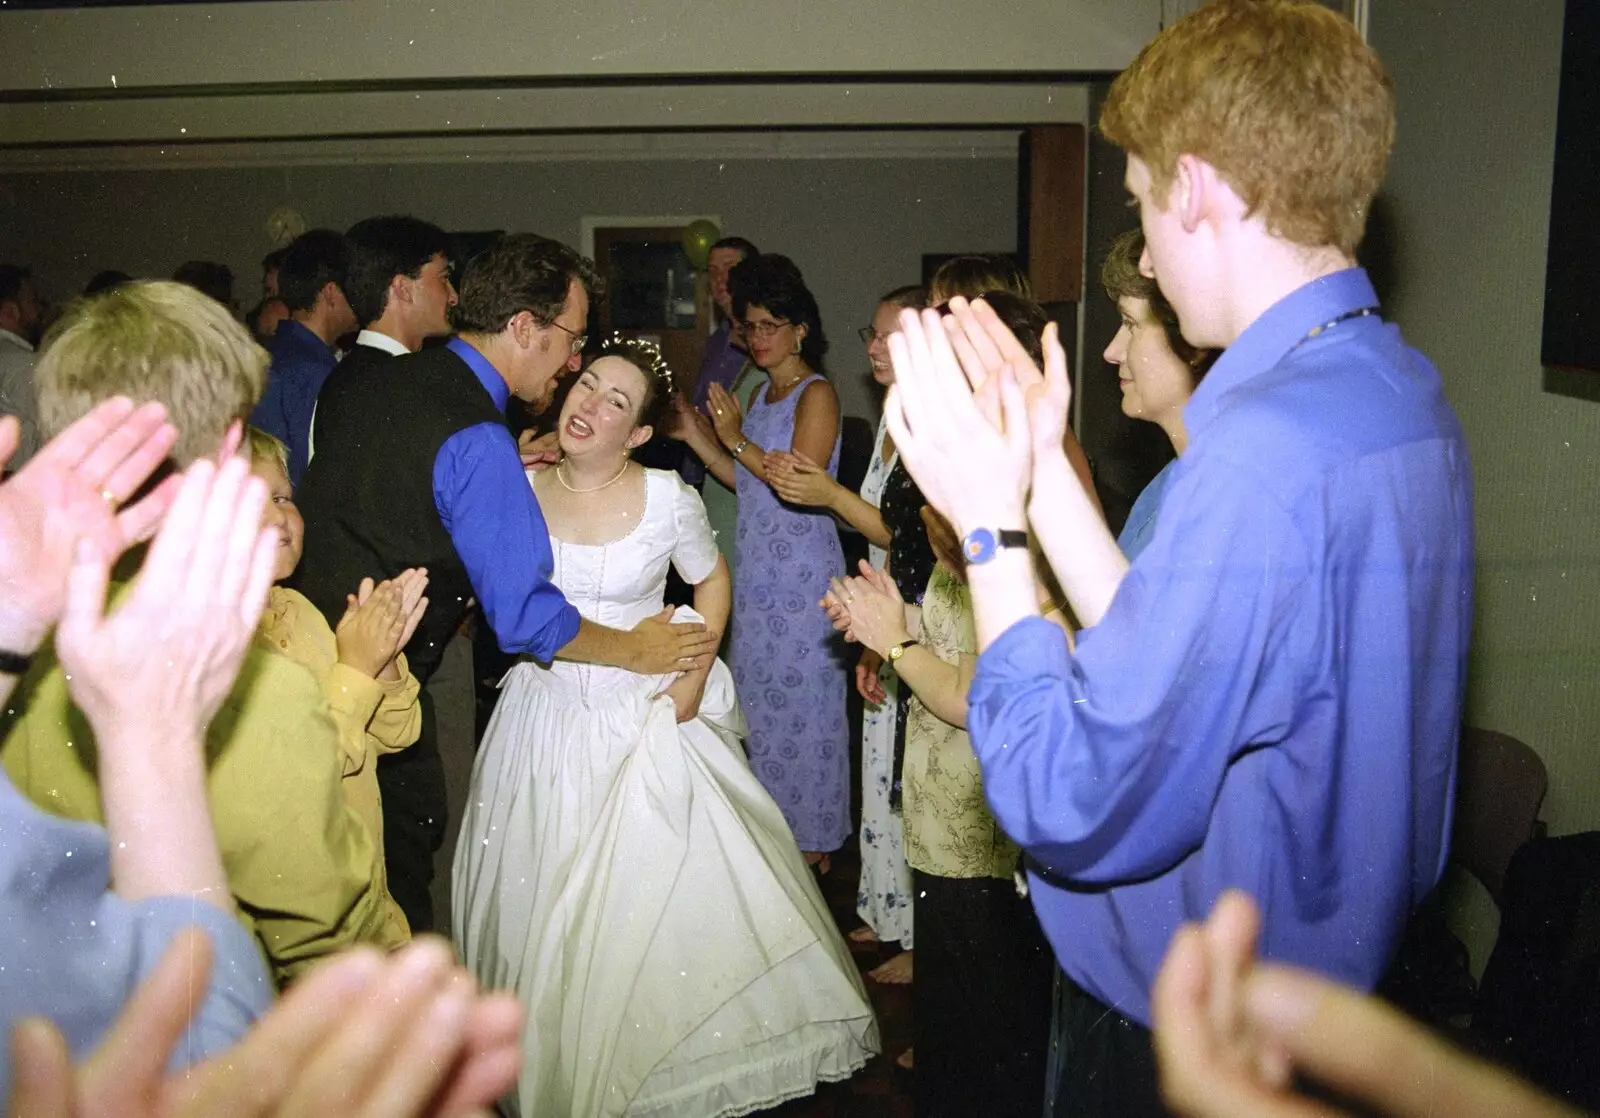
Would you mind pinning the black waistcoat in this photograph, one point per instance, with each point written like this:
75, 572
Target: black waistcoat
367, 496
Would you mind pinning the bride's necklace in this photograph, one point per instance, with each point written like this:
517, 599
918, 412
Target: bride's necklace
593, 488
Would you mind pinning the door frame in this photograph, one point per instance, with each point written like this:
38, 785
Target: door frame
587, 225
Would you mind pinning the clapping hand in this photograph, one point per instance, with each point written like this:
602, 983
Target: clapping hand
727, 417
362, 1034
974, 472
683, 421
868, 685
166, 656
985, 345
379, 621
71, 490
868, 608
798, 480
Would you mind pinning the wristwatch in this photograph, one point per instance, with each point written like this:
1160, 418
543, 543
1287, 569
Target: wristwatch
980, 544
899, 650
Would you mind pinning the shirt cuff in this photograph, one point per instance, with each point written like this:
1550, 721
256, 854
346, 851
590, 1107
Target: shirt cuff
558, 633
353, 697
1031, 648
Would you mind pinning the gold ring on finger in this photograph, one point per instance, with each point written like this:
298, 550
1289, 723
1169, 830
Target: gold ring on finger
109, 498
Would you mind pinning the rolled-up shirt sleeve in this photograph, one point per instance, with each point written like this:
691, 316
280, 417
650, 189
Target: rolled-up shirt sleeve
487, 506
1104, 763
75, 952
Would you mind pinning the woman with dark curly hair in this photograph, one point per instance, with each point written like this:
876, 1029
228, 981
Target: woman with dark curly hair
787, 663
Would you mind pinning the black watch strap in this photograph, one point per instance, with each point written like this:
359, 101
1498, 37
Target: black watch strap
1011, 537
14, 663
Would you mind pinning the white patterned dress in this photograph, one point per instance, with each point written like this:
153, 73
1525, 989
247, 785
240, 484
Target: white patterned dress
883, 899
630, 879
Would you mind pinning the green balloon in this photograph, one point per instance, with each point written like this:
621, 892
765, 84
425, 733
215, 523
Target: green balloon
698, 237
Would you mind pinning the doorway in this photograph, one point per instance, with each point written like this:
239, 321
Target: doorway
653, 292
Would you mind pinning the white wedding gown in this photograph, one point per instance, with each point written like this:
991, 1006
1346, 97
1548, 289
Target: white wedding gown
630, 879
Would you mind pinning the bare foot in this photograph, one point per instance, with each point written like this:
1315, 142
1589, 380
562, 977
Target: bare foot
864, 934
896, 972
905, 1060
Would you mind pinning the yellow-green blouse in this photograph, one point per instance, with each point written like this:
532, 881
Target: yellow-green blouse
948, 829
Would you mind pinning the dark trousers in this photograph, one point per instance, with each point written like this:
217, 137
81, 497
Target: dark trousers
415, 813
981, 999
1103, 1064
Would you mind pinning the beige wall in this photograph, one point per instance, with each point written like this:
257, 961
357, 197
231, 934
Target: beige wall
184, 73
1469, 193
1469, 202
412, 40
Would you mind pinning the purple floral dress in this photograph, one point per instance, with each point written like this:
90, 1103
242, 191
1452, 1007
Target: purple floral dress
788, 663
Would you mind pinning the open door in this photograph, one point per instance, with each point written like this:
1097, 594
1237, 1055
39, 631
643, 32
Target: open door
653, 292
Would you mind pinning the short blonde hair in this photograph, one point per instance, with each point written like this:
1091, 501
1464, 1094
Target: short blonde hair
152, 340
264, 447
1282, 97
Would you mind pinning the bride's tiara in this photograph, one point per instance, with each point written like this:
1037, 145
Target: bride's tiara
643, 353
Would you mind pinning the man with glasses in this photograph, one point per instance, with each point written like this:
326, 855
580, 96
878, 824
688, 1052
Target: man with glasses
415, 467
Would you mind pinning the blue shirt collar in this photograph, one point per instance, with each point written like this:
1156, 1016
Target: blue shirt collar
1270, 338
488, 376
296, 336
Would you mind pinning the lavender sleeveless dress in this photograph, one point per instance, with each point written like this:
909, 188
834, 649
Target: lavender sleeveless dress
788, 663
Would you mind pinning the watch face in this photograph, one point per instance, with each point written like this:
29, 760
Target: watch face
979, 545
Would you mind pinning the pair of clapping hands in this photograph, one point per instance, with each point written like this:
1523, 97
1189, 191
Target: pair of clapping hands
378, 621
363, 1033
869, 610
971, 414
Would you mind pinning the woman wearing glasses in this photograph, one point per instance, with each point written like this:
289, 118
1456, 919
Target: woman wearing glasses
788, 668
883, 898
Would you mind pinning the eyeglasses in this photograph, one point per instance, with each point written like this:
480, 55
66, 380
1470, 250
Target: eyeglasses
869, 334
578, 340
763, 329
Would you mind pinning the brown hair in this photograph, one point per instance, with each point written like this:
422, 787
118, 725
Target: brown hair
1282, 97
659, 386
912, 297
152, 340
971, 276
1122, 279
520, 272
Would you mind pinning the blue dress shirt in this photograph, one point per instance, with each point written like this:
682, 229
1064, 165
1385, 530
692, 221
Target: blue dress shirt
301, 361
74, 952
1273, 700
1141, 523
487, 506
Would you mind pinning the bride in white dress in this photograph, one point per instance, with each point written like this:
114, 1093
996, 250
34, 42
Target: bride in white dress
620, 867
